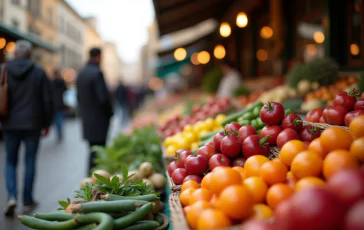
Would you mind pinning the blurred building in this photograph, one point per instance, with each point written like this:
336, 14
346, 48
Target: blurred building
71, 37
111, 63
30, 20
92, 37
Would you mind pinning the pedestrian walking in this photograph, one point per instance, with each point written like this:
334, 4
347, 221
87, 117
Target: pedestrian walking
94, 104
58, 89
121, 96
30, 111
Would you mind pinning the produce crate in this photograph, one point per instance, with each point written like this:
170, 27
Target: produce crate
274, 153
165, 224
323, 126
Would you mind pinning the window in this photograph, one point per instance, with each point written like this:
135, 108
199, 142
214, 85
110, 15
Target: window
35, 7
61, 24
355, 32
50, 15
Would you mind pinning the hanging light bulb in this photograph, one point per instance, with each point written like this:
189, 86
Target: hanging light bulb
241, 20
219, 52
225, 29
180, 54
203, 57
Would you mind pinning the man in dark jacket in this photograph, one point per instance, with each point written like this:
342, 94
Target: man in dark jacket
94, 103
59, 87
30, 112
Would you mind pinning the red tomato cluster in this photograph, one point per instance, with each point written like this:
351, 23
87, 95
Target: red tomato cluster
177, 123
237, 143
346, 107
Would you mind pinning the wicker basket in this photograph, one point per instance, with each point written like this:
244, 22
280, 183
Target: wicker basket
165, 224
323, 126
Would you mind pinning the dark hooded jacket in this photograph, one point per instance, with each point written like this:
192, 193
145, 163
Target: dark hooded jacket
30, 97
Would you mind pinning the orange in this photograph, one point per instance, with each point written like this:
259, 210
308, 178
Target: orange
222, 178
184, 197
257, 187
273, 172
306, 164
261, 212
213, 219
291, 180
200, 194
195, 211
335, 138
279, 161
189, 184
240, 170
186, 210
338, 160
357, 149
236, 202
308, 182
277, 194
252, 165
356, 127
214, 201
289, 150
206, 181
316, 146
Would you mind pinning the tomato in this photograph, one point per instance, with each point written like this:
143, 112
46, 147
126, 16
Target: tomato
173, 166
322, 120
336, 115
314, 115
351, 115
208, 151
230, 146
246, 131
218, 160
196, 164
309, 133
271, 131
179, 175
285, 136
217, 140
232, 128
196, 178
210, 143
292, 121
359, 104
272, 113
239, 161
255, 145
345, 99
181, 157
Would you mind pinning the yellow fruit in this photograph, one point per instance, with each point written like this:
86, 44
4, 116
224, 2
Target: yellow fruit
194, 145
168, 141
219, 118
190, 137
209, 123
203, 132
188, 128
171, 150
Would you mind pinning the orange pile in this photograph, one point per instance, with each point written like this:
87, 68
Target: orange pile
230, 196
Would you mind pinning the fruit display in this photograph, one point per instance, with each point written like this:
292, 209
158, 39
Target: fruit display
110, 203
237, 143
190, 136
345, 108
177, 123
316, 185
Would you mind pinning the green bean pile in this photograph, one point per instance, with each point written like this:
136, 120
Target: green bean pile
112, 212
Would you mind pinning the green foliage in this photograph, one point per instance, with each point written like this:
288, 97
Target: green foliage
322, 70
85, 193
211, 80
361, 82
241, 91
296, 74
142, 146
64, 204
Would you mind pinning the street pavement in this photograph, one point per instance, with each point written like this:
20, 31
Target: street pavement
60, 168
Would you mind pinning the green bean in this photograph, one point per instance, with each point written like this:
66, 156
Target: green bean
109, 206
133, 217
35, 223
56, 216
112, 197
116, 215
86, 227
105, 221
143, 225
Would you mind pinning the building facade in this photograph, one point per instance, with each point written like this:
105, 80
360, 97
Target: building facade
15, 14
71, 36
92, 37
111, 64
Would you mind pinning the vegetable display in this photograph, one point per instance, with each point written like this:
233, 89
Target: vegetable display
316, 185
110, 203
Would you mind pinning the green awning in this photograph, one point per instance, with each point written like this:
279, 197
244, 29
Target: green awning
20, 35
164, 71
